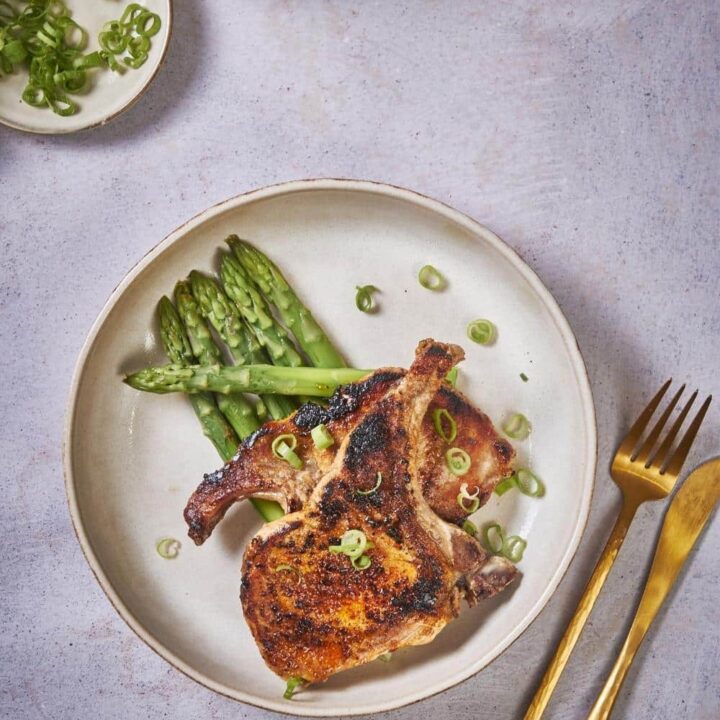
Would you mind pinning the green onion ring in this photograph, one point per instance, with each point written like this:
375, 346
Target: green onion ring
440, 414
352, 544
321, 437
374, 488
141, 24
364, 300
528, 483
288, 438
168, 548
514, 548
458, 461
469, 527
504, 485
451, 377
517, 427
292, 683
493, 538
361, 563
431, 278
464, 495
481, 331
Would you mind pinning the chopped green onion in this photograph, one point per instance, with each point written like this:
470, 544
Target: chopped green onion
353, 543
431, 278
292, 683
469, 527
481, 331
284, 567
168, 548
451, 377
361, 563
374, 488
50, 44
457, 461
517, 427
504, 485
524, 377
439, 415
464, 495
514, 548
385, 657
283, 447
321, 437
493, 538
528, 483
364, 300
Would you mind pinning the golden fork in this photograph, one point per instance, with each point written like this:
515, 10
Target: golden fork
684, 521
642, 474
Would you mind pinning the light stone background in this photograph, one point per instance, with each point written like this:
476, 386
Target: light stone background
584, 133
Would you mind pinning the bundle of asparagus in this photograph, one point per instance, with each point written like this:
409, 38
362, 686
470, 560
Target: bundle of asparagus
239, 309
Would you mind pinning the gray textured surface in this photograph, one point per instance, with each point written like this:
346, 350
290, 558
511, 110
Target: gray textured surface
585, 134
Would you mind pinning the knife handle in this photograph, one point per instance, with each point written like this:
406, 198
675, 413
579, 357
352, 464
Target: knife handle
684, 521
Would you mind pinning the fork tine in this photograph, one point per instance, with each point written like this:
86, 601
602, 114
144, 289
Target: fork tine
678, 458
652, 438
662, 455
631, 439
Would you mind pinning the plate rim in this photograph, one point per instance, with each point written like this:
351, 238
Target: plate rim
428, 203
106, 118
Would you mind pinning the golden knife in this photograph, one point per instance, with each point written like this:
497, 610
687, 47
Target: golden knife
684, 521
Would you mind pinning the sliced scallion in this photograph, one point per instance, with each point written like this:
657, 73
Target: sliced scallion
385, 657
517, 427
452, 376
364, 298
528, 483
481, 331
431, 278
469, 527
168, 548
353, 543
458, 461
493, 538
504, 485
524, 377
441, 418
514, 548
321, 437
292, 684
374, 488
283, 447
464, 496
361, 563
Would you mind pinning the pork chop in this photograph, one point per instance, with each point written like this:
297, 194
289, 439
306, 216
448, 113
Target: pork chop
313, 610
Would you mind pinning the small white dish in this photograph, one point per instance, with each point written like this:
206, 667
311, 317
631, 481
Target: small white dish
108, 94
132, 459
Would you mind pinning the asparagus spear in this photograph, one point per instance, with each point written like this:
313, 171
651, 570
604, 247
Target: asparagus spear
177, 347
242, 291
295, 315
236, 408
244, 346
315, 382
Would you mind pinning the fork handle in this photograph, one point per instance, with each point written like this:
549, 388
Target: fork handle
584, 608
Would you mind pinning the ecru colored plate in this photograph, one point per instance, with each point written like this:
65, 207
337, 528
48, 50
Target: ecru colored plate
108, 93
132, 459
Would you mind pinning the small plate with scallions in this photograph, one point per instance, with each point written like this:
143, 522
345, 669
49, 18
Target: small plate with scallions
380, 268
67, 65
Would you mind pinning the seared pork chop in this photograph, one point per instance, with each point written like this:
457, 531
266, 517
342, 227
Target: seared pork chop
314, 611
256, 472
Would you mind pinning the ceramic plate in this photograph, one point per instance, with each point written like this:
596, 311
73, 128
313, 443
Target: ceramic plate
132, 459
108, 93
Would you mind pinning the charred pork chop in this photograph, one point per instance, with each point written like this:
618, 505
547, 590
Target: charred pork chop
256, 472
315, 611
